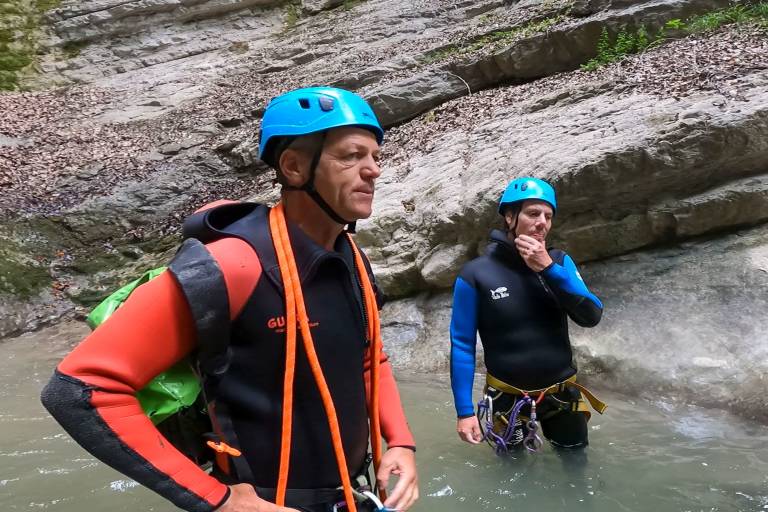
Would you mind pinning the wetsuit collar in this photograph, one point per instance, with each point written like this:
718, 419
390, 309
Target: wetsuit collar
501, 248
308, 254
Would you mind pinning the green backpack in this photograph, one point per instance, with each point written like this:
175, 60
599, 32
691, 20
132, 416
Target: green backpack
172, 400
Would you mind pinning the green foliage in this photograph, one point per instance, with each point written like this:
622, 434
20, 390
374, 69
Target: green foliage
760, 13
610, 50
740, 13
19, 24
349, 4
675, 24
11, 9
485, 18
13, 58
604, 45
706, 22
627, 42
497, 38
292, 15
46, 5
761, 10
14, 61
20, 275
642, 39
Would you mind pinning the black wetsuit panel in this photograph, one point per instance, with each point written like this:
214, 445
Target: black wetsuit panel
252, 387
523, 328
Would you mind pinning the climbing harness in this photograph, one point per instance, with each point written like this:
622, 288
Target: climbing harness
513, 432
595, 402
504, 429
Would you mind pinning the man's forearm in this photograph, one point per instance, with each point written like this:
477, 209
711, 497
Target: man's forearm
578, 301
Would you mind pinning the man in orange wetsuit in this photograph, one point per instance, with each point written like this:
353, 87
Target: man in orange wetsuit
324, 144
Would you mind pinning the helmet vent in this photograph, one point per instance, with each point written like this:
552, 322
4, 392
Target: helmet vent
326, 103
304, 102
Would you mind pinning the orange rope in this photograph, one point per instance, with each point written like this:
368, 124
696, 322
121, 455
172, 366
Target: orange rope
291, 280
290, 357
375, 348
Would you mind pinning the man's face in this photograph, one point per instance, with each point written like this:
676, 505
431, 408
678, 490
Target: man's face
348, 170
535, 219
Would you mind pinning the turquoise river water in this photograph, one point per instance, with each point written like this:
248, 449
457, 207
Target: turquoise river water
644, 456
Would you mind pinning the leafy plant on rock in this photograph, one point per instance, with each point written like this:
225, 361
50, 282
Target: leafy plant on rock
627, 42
610, 50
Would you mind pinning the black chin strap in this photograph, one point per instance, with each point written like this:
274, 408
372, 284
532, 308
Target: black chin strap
309, 188
513, 227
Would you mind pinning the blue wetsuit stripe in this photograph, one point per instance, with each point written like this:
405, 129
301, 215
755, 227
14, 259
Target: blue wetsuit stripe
567, 278
463, 341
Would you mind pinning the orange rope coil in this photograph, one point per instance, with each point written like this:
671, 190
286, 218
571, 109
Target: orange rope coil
295, 307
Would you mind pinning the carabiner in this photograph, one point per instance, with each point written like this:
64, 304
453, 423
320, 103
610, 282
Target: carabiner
363, 496
533, 442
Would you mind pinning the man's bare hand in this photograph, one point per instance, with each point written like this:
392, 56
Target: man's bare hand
469, 430
243, 498
401, 462
534, 252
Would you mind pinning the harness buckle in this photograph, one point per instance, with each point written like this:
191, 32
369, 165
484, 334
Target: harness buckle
222, 447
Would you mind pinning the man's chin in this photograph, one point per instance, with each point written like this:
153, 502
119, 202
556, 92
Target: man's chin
361, 210
364, 215
356, 214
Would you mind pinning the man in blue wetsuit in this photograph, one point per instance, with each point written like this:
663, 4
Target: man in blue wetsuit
518, 296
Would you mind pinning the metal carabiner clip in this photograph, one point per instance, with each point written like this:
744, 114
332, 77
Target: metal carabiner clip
488, 405
532, 441
364, 496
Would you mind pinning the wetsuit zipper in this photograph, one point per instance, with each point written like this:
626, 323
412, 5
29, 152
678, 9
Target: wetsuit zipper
361, 303
544, 284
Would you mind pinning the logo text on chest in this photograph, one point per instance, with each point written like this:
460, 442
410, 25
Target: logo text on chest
499, 293
277, 324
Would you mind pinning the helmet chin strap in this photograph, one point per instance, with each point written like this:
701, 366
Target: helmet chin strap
513, 227
311, 190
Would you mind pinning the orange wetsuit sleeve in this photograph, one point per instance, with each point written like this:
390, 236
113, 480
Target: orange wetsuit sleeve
394, 426
93, 391
241, 268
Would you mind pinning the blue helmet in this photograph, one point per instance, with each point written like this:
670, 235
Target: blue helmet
521, 189
311, 110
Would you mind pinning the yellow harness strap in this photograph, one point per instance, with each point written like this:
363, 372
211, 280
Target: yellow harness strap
595, 402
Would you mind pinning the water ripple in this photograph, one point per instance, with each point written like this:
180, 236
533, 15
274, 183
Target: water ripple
445, 491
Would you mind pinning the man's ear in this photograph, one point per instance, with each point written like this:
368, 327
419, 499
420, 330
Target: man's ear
509, 219
293, 166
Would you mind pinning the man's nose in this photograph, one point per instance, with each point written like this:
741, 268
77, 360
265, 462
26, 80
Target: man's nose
371, 167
